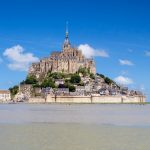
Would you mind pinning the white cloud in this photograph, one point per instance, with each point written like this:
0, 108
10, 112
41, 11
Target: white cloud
18, 59
147, 53
123, 80
125, 62
89, 51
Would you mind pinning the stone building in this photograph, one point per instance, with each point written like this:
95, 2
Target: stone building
25, 91
5, 95
69, 60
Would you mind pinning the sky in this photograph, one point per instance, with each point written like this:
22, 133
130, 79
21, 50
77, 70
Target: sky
115, 33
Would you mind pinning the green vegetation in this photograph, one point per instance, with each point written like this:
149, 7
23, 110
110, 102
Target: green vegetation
70, 80
14, 90
30, 80
48, 82
92, 76
67, 80
36, 85
75, 79
81, 83
56, 75
84, 71
100, 75
72, 88
108, 80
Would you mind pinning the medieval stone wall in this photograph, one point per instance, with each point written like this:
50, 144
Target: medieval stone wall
89, 99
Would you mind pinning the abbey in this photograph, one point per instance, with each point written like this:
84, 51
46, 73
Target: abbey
69, 60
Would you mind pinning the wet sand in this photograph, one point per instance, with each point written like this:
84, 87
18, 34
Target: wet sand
74, 127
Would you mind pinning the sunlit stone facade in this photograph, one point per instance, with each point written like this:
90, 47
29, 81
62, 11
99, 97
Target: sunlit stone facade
69, 60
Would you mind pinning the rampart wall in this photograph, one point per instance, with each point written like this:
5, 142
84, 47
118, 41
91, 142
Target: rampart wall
89, 99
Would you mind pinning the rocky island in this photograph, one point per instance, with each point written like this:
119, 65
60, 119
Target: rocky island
68, 77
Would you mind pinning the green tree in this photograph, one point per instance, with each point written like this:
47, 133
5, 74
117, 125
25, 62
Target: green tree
14, 90
72, 88
57, 75
92, 76
23, 82
48, 83
67, 84
108, 80
31, 80
101, 75
81, 83
84, 71
75, 78
36, 85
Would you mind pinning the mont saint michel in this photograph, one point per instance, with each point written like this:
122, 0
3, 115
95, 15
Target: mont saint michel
74, 75
67, 76
69, 60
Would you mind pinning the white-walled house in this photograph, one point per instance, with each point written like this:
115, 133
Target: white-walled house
5, 95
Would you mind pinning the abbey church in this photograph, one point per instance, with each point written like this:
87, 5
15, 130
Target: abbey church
69, 60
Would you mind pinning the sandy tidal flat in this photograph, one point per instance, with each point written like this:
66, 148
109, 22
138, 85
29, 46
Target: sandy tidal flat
74, 127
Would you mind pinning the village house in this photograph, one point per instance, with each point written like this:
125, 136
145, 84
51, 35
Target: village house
88, 88
26, 89
99, 80
124, 91
59, 81
80, 90
46, 91
5, 95
62, 91
37, 91
104, 91
85, 80
113, 92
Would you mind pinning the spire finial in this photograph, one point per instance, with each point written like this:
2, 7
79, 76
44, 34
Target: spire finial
66, 28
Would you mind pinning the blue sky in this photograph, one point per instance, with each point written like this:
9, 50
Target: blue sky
119, 28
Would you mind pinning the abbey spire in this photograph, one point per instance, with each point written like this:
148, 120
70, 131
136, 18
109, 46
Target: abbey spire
66, 42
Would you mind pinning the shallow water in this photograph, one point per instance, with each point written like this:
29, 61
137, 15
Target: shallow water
74, 127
